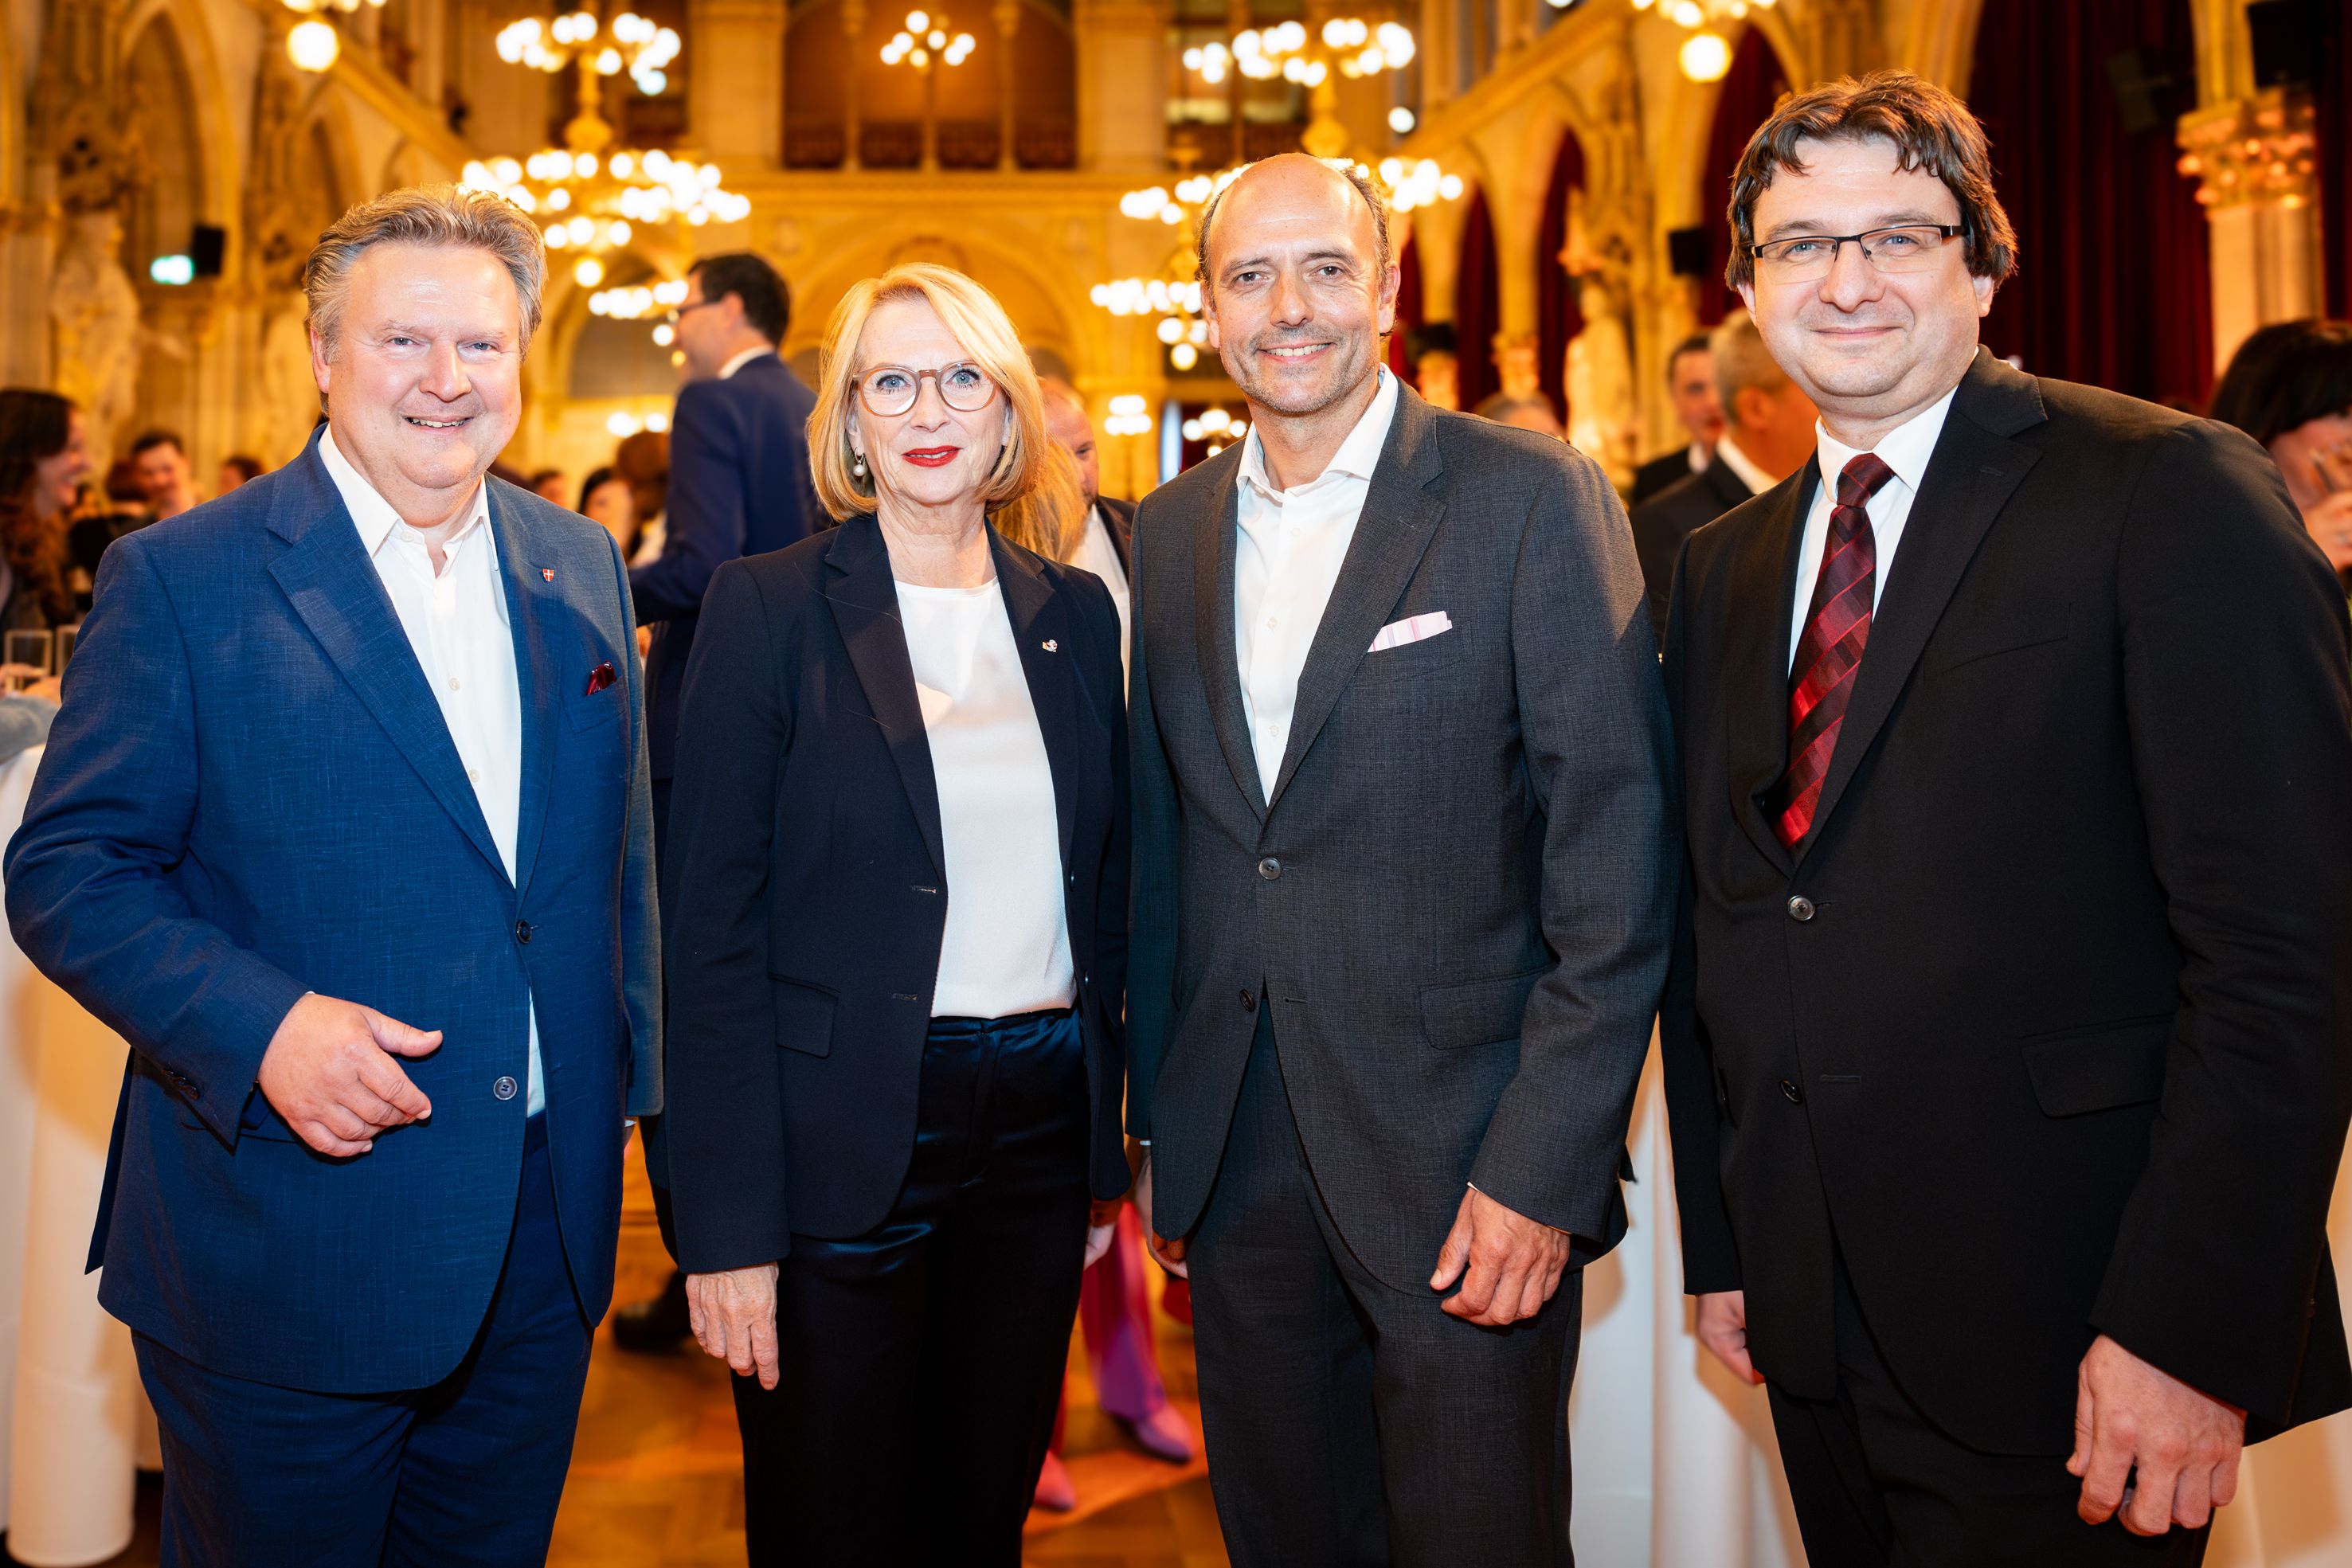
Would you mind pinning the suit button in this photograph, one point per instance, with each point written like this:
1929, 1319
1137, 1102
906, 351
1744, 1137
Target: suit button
1800, 908
1249, 1001
523, 932
504, 1089
1790, 1092
1269, 868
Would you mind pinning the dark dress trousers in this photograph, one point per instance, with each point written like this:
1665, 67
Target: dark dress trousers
1662, 522
250, 793
1430, 959
1660, 472
2042, 1031
924, 1181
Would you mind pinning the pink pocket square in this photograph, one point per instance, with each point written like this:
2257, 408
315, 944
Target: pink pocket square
1411, 629
599, 678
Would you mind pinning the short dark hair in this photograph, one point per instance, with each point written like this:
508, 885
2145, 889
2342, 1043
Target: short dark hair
767, 300
1696, 343
150, 440
597, 481
2285, 375
1933, 132
244, 464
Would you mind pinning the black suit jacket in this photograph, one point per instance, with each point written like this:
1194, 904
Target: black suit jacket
1459, 897
1118, 522
2047, 1021
738, 484
1660, 472
1662, 522
805, 896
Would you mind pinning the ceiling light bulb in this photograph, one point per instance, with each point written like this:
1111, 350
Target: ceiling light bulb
313, 46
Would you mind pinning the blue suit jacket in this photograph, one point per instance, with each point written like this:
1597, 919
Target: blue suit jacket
738, 484
250, 793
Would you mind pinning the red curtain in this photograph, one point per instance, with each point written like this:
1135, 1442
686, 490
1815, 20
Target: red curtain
1754, 85
2114, 283
2332, 99
1408, 310
1476, 309
1556, 318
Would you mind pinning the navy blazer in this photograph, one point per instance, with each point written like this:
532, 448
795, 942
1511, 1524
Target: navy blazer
805, 893
249, 794
739, 485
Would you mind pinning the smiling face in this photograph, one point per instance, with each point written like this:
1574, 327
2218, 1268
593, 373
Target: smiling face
162, 472
614, 506
1697, 405
932, 455
1870, 348
1297, 300
423, 383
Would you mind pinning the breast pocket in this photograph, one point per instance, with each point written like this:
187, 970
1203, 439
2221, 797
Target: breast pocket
594, 712
2016, 630
804, 1015
1411, 661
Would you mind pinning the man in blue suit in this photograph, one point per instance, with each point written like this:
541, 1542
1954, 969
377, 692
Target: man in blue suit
345, 826
739, 485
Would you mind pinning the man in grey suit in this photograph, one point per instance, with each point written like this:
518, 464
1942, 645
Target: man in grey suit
1405, 877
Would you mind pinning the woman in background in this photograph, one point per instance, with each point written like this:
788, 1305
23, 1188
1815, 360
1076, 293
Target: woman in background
43, 462
2289, 387
609, 499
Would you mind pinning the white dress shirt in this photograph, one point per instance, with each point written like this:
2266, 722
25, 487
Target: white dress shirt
1007, 947
726, 371
1096, 554
458, 629
1287, 560
1904, 449
1739, 463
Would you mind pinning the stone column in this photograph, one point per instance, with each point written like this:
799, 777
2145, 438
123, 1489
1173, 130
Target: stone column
1122, 84
2254, 160
735, 92
853, 28
1006, 15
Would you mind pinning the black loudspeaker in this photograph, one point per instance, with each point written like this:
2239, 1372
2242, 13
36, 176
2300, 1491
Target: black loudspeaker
2143, 90
208, 244
1686, 252
2287, 39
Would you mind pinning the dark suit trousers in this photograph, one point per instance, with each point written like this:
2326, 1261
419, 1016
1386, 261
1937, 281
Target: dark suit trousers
1878, 1485
467, 1471
1349, 1422
922, 1361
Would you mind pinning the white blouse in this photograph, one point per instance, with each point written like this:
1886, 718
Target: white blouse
1007, 949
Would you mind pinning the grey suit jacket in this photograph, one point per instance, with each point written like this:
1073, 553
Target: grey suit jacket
1459, 900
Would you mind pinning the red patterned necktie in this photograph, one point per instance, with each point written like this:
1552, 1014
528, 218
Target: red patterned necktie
1820, 679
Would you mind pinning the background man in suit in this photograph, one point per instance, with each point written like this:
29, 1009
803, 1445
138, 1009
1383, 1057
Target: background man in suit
1768, 435
344, 826
1110, 522
1690, 386
739, 485
2007, 1044
1404, 867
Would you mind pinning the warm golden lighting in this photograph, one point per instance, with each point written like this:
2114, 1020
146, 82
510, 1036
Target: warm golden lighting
313, 46
1705, 57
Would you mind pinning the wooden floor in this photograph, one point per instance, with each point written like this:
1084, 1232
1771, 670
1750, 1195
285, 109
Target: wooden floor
657, 1479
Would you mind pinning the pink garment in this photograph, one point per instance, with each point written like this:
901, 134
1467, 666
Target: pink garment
1114, 1311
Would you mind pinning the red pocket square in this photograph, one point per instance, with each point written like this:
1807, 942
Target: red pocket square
599, 678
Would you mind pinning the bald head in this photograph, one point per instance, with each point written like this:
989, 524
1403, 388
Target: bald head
1070, 428
1300, 174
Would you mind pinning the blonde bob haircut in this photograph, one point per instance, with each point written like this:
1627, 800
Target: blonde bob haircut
1022, 493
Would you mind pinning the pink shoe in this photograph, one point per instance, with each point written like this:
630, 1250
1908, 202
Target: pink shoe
1055, 1491
1164, 1436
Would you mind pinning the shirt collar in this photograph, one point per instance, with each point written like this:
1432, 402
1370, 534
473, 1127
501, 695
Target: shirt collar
1904, 449
373, 516
726, 371
1357, 455
1729, 453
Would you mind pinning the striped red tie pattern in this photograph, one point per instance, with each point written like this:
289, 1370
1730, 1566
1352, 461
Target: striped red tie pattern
1820, 679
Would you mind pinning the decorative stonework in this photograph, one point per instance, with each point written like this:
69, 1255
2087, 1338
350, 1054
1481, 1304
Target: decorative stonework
2260, 148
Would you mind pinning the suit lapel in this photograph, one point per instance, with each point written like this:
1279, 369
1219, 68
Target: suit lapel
1043, 632
865, 603
1213, 617
532, 599
1975, 470
332, 586
1762, 593
1392, 533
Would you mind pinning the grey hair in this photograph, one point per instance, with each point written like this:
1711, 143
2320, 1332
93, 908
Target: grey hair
1741, 361
428, 216
1348, 170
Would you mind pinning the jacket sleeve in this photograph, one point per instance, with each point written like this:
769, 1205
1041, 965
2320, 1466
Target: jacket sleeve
2234, 659
1686, 1059
1151, 918
1592, 722
641, 967
724, 1135
709, 512
91, 892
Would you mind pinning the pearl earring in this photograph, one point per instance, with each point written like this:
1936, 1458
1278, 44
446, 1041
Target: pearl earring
857, 465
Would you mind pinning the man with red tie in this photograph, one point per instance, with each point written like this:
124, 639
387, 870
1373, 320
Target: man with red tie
2007, 1037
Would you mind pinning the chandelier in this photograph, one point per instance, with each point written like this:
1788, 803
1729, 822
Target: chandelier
927, 45
633, 44
314, 44
1705, 55
1344, 45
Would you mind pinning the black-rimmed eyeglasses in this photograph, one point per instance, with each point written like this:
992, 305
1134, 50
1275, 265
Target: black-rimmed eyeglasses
1904, 247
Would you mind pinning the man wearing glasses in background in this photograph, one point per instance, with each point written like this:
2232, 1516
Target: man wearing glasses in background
2006, 1042
739, 485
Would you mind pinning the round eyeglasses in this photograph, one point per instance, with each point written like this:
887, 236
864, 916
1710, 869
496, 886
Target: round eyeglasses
890, 391
1802, 259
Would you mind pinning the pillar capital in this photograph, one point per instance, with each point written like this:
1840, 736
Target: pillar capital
2257, 148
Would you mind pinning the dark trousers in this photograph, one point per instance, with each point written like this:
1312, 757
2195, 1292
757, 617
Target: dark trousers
922, 1361
1349, 1422
1877, 1484
467, 1471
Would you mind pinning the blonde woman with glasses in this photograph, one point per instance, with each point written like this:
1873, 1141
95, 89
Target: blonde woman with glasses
896, 901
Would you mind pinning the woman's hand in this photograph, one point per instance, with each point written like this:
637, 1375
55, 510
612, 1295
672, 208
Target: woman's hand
734, 1318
